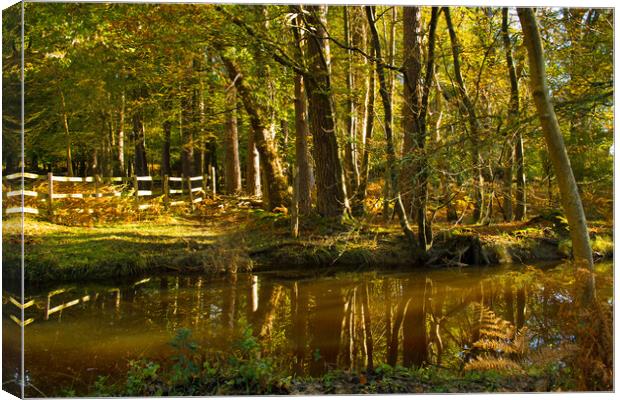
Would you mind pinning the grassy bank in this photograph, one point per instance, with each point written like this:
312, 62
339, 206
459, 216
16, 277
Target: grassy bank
217, 239
60, 253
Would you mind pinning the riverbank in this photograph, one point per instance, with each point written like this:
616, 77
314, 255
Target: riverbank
384, 380
219, 239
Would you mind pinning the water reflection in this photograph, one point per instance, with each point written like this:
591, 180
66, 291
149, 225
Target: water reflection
349, 321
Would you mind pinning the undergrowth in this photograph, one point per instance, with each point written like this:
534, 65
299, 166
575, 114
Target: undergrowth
501, 360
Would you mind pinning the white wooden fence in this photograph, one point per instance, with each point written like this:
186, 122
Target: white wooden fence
184, 190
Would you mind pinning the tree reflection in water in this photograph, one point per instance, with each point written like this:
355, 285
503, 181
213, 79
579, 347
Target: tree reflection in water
348, 321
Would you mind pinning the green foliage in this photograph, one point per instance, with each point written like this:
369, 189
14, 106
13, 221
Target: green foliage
244, 371
102, 388
142, 379
252, 372
186, 367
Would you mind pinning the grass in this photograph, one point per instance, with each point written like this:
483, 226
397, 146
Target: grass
223, 235
56, 252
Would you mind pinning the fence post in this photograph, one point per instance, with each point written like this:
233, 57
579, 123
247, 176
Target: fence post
204, 185
213, 185
166, 190
50, 195
189, 192
135, 186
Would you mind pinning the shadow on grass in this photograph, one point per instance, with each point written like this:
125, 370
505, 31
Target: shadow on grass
78, 254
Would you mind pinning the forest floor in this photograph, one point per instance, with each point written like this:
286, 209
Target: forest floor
231, 234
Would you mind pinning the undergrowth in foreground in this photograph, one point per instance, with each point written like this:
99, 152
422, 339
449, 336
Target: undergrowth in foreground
245, 370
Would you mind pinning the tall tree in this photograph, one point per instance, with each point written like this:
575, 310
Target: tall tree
369, 122
187, 120
387, 111
350, 146
120, 155
474, 124
412, 71
65, 124
139, 137
415, 111
232, 167
570, 198
252, 180
275, 183
305, 173
331, 193
302, 153
514, 156
165, 150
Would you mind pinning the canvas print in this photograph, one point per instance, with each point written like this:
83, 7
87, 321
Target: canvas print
231, 199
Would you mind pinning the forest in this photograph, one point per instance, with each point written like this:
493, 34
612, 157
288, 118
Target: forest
319, 138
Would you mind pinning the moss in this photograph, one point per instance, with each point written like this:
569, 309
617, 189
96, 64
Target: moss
603, 245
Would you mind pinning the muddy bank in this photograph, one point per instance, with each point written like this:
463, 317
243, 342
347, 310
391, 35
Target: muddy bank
456, 250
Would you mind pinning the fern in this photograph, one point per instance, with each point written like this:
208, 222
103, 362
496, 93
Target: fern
499, 345
486, 363
495, 345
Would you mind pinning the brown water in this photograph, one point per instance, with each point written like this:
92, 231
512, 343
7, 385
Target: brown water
347, 320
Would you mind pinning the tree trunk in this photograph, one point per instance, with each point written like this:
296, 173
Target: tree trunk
187, 128
513, 116
416, 107
165, 149
197, 125
253, 168
331, 192
520, 193
302, 153
165, 152
107, 162
350, 147
120, 156
474, 125
65, 123
412, 96
570, 199
232, 168
360, 197
140, 163
387, 109
275, 181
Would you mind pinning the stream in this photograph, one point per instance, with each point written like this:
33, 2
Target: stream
75, 333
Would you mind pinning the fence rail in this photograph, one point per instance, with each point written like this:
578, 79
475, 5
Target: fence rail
187, 188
